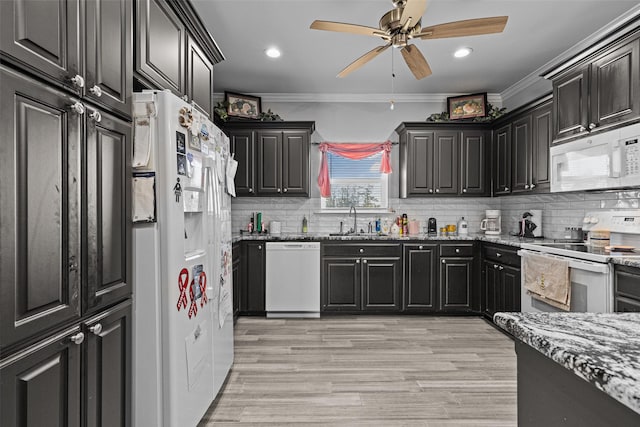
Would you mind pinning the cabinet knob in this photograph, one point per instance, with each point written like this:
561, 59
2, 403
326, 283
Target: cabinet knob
498, 254
501, 268
582, 128
251, 190
95, 89
357, 261
464, 190
437, 190
185, 98
96, 116
444, 261
73, 264
421, 247
77, 80
457, 250
526, 186
285, 190
279, 190
532, 186
364, 261
78, 108
259, 247
361, 250
506, 188
495, 266
77, 338
96, 329
592, 126
431, 190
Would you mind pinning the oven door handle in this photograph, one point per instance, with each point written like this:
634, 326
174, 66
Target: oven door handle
577, 264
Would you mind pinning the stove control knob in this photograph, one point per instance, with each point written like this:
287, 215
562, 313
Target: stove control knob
594, 220
586, 220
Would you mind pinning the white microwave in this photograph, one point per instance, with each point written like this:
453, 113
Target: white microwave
606, 160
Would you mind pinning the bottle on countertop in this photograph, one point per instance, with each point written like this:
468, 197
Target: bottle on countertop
251, 224
259, 222
304, 224
378, 225
463, 227
405, 224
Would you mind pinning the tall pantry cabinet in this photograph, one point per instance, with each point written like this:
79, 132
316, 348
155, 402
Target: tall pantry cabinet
65, 225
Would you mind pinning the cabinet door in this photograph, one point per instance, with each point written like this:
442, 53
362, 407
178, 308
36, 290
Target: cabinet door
541, 142
242, 145
237, 277
381, 279
456, 275
615, 86
295, 163
199, 74
446, 158
269, 163
491, 284
108, 63
108, 368
108, 211
474, 163
41, 385
419, 163
43, 36
521, 154
253, 284
341, 284
160, 43
570, 104
510, 288
420, 277
502, 160
40, 178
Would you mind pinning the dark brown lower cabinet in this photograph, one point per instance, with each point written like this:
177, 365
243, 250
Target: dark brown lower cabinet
79, 376
502, 288
341, 284
253, 278
627, 289
420, 277
456, 278
237, 278
381, 284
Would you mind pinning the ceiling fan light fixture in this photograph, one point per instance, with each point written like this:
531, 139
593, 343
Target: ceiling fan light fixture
462, 52
273, 52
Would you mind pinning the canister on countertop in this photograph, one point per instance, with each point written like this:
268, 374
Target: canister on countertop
275, 227
463, 227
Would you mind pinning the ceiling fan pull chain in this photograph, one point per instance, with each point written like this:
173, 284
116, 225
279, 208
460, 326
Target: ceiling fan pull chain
393, 76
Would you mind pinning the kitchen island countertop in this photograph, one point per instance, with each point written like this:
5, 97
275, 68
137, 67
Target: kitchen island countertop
603, 349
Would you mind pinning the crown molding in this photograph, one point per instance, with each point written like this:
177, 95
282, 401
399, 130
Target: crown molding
493, 98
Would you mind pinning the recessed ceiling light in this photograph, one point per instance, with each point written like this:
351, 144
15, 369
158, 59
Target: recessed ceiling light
462, 52
272, 52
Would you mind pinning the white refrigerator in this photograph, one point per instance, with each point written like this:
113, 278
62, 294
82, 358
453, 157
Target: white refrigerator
183, 326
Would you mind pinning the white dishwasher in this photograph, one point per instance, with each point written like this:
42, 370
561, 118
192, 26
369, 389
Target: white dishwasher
292, 287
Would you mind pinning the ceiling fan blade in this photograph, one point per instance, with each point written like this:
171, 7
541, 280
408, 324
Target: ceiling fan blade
416, 62
348, 28
413, 9
469, 27
363, 60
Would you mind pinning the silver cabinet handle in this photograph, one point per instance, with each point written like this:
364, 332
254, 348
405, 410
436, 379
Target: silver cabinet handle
498, 254
464, 190
457, 250
437, 190
78, 108
526, 186
420, 247
251, 190
495, 265
532, 186
506, 188
77, 80
364, 261
501, 268
77, 338
185, 98
582, 128
357, 261
444, 261
73, 264
259, 247
96, 116
285, 190
96, 329
279, 190
95, 89
431, 190
361, 251
592, 126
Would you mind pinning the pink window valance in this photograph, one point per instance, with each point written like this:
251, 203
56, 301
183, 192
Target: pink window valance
352, 151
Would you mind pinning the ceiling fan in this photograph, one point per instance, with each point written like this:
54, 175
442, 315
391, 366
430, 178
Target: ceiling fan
402, 24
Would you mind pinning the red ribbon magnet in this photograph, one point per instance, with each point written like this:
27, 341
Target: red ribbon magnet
193, 308
183, 284
202, 282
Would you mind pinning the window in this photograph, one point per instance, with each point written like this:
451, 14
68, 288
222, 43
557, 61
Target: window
356, 183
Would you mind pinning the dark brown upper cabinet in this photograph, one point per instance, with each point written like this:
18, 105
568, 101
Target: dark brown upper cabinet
273, 157
599, 92
45, 38
443, 159
502, 160
173, 50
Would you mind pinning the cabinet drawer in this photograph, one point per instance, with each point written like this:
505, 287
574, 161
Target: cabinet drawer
457, 250
356, 249
627, 282
625, 305
501, 255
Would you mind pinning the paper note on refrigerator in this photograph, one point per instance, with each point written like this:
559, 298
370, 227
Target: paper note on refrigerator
225, 307
197, 349
144, 200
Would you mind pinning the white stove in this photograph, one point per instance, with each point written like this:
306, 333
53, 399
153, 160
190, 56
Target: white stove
591, 273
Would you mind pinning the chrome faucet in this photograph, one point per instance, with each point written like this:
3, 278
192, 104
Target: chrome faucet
355, 219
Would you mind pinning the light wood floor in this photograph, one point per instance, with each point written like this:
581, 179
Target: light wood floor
368, 370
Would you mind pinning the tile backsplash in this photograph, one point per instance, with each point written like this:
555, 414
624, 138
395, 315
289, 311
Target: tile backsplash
559, 210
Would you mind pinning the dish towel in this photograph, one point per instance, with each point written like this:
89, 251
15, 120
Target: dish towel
547, 279
232, 167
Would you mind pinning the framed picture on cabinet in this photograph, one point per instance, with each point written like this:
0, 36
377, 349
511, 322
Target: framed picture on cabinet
467, 106
245, 106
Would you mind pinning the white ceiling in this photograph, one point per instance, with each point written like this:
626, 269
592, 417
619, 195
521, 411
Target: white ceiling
536, 33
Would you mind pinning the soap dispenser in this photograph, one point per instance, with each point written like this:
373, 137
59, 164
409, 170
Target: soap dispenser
463, 227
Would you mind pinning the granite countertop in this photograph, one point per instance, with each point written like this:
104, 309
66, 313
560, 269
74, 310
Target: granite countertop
629, 262
502, 239
603, 349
